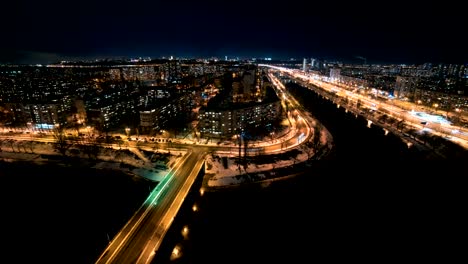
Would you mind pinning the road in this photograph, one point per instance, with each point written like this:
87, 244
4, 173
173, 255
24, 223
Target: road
141, 237
412, 114
139, 240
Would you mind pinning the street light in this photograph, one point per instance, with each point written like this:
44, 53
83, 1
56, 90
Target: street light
185, 231
458, 110
419, 102
435, 107
175, 252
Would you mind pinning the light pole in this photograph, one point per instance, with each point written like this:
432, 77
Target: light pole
127, 131
419, 104
458, 110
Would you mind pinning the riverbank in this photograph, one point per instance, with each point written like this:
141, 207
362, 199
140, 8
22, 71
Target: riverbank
230, 171
64, 210
151, 165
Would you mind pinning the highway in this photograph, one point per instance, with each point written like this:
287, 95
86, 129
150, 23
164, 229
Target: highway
138, 241
412, 114
141, 237
300, 130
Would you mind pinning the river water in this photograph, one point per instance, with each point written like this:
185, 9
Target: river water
55, 214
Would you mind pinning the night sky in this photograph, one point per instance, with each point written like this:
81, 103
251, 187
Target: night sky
381, 31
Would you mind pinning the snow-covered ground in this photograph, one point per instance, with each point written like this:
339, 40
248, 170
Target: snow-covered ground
108, 158
229, 176
138, 163
220, 176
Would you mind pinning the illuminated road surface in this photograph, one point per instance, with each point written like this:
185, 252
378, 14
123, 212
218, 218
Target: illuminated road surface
139, 240
435, 124
143, 234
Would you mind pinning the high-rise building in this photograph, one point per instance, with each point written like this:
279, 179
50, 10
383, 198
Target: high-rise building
172, 72
335, 74
304, 63
248, 81
405, 86
218, 121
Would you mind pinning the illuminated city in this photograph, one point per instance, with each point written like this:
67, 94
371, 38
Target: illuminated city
200, 132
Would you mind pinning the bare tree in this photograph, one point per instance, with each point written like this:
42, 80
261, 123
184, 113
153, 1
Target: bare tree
315, 143
383, 118
119, 142
61, 144
91, 148
31, 146
12, 143
307, 148
400, 125
23, 144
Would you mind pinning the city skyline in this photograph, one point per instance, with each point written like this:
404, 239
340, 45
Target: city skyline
207, 131
187, 137
394, 32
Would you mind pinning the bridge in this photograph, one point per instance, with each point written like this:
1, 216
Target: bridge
139, 240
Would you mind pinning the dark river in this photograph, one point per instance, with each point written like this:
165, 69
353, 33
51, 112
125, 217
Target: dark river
54, 214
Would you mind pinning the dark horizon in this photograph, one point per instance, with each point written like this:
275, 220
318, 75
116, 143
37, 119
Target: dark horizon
31, 58
392, 33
